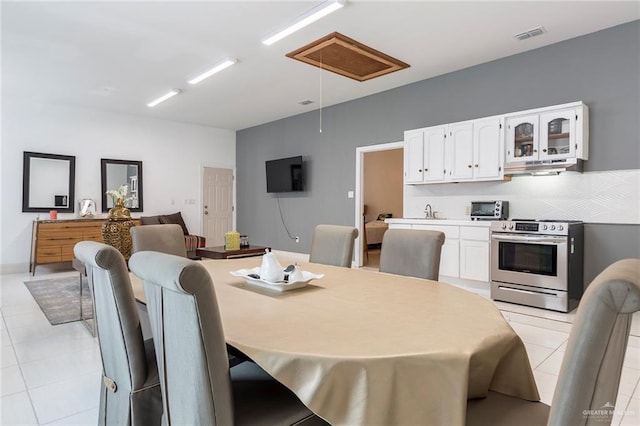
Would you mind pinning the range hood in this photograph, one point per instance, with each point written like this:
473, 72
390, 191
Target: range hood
544, 167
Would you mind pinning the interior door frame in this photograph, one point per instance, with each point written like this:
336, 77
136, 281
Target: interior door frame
359, 201
201, 203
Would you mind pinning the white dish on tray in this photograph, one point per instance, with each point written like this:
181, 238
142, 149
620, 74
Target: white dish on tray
278, 286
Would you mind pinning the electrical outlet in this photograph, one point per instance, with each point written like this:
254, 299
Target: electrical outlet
297, 239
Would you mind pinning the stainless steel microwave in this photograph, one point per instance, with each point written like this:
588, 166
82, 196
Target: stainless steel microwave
489, 210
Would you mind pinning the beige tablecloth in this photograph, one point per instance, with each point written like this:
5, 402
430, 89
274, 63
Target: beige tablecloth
366, 348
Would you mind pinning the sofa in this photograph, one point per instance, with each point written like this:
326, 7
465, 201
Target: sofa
191, 241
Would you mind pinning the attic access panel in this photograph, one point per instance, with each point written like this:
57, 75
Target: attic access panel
340, 54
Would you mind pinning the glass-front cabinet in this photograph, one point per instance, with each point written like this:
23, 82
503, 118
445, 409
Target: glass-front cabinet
522, 138
552, 134
558, 134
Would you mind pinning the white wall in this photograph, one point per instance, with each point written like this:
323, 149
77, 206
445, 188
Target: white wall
172, 156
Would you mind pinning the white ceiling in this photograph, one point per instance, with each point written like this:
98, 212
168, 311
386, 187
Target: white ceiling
118, 56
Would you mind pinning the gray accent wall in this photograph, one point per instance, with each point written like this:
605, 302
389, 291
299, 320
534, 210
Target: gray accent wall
601, 69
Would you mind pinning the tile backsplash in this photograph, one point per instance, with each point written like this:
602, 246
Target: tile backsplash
593, 197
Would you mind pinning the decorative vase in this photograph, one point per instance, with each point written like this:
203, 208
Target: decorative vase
115, 230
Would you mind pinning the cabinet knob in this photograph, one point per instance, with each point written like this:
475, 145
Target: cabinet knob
469, 166
420, 170
476, 165
544, 150
508, 152
426, 170
535, 150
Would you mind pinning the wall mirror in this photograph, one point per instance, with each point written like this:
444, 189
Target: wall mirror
114, 174
48, 182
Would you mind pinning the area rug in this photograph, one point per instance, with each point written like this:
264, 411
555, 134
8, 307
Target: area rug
59, 299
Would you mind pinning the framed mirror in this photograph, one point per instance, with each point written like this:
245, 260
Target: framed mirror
48, 182
114, 174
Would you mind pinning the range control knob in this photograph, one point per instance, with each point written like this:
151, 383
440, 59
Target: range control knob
504, 226
552, 227
511, 226
544, 227
560, 227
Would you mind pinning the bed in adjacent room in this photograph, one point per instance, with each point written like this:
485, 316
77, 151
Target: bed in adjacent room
375, 229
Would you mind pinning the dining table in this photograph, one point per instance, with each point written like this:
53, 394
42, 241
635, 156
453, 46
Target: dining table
361, 347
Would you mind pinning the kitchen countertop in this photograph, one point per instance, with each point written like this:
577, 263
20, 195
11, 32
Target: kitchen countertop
441, 222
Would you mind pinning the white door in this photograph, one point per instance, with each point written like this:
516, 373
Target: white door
218, 204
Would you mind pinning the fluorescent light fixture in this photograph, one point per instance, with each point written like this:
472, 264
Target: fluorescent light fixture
222, 65
320, 11
164, 97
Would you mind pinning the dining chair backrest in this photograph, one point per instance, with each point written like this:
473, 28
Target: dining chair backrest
333, 245
167, 238
412, 252
589, 377
188, 338
592, 365
130, 394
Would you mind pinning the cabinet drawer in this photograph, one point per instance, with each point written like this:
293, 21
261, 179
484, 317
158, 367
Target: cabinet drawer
474, 233
66, 253
48, 254
450, 232
399, 226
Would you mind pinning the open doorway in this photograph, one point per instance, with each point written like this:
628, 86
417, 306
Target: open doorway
379, 186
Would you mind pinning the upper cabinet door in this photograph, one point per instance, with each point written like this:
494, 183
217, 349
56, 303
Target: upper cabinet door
434, 153
488, 146
413, 155
460, 148
522, 138
558, 134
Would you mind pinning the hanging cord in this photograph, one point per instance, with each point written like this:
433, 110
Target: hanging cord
282, 219
320, 91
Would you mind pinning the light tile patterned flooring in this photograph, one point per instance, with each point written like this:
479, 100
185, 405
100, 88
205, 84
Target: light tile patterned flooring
51, 375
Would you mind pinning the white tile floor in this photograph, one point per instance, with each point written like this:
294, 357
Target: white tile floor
51, 375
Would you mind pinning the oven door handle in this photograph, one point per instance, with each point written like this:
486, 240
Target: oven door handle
526, 239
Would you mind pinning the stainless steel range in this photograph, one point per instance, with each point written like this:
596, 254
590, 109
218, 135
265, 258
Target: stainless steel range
537, 263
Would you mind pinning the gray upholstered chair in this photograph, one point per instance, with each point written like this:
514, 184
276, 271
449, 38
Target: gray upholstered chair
590, 373
130, 393
412, 252
333, 245
198, 387
163, 238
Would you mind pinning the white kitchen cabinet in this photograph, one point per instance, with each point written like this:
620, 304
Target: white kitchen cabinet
522, 138
465, 253
460, 151
475, 150
424, 154
413, 156
474, 253
449, 261
488, 149
547, 134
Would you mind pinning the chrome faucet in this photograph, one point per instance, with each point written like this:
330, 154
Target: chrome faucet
428, 213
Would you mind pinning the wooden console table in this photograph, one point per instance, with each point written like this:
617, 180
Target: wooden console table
220, 253
52, 241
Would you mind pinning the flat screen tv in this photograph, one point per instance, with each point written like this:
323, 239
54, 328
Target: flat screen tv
285, 175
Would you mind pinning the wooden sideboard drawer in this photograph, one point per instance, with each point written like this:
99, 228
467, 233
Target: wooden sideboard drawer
49, 254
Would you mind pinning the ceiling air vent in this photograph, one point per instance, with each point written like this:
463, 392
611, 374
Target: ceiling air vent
305, 102
531, 33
